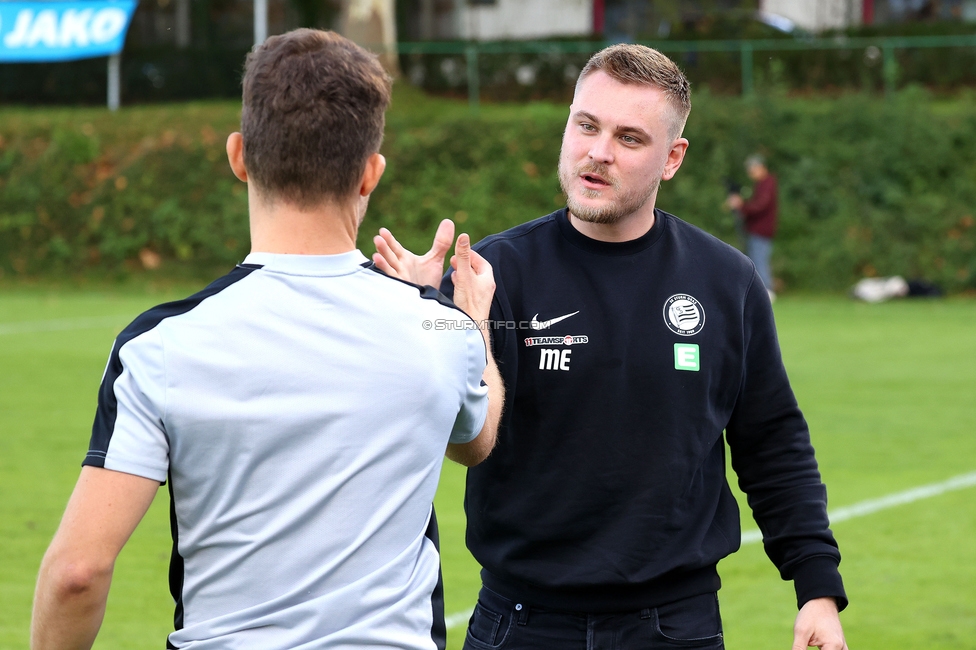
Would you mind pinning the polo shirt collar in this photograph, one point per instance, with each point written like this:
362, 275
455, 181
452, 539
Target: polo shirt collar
324, 265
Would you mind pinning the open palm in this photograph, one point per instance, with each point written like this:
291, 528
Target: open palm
393, 259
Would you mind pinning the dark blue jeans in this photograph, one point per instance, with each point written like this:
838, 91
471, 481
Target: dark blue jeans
500, 624
760, 249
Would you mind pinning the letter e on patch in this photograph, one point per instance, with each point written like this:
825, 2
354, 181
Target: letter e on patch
686, 357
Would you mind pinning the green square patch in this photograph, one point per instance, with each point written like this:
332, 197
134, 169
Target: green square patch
686, 357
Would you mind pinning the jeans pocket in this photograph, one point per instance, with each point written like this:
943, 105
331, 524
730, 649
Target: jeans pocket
484, 627
691, 623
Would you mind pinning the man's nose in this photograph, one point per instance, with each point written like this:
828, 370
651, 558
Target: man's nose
601, 150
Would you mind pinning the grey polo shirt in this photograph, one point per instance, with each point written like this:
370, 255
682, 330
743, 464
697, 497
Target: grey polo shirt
299, 409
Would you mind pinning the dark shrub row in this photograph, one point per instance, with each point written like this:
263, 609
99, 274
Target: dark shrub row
867, 186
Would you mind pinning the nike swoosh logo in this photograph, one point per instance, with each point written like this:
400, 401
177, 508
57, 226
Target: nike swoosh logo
537, 325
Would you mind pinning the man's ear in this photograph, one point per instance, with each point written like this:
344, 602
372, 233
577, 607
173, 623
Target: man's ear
675, 158
235, 155
375, 166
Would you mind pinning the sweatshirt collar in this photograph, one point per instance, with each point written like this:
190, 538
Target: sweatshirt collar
580, 240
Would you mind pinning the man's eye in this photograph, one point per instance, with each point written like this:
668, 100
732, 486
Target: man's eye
629, 139
587, 127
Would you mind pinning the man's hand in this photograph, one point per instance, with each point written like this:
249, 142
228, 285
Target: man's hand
474, 282
393, 259
818, 625
474, 288
734, 202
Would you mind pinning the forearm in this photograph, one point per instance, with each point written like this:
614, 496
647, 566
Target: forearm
776, 465
69, 605
789, 501
76, 573
496, 400
777, 469
477, 450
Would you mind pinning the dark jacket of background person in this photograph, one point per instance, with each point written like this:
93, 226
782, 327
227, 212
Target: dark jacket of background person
760, 212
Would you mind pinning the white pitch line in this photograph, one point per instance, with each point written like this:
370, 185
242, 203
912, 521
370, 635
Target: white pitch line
872, 506
861, 509
457, 619
62, 324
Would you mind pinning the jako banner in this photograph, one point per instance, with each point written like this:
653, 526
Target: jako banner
63, 30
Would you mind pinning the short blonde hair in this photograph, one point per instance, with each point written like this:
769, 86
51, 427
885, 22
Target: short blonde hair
639, 64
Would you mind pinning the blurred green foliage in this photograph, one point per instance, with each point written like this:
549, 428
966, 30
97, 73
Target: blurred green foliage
83, 189
867, 186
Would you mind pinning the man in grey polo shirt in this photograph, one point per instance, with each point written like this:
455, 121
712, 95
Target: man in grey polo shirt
298, 408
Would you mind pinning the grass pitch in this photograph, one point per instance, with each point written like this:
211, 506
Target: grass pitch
888, 391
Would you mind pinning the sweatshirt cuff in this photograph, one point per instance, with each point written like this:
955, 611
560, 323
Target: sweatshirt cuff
818, 577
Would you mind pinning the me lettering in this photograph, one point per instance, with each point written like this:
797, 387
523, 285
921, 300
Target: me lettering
552, 359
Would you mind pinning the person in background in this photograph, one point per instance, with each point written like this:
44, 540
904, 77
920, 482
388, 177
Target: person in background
759, 216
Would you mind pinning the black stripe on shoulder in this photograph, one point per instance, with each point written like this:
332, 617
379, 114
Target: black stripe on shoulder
107, 405
426, 291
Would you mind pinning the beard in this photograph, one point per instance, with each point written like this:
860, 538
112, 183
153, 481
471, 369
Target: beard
627, 201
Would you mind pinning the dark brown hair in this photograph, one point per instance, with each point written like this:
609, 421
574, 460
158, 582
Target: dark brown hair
313, 113
638, 64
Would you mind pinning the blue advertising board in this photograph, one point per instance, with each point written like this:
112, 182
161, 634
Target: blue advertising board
63, 30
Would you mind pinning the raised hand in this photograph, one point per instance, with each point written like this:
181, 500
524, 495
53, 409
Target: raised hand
818, 625
393, 259
474, 282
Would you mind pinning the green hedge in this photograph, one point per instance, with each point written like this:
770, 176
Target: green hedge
867, 186
83, 189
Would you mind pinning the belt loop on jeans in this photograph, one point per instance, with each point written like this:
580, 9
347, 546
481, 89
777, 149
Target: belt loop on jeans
522, 614
645, 613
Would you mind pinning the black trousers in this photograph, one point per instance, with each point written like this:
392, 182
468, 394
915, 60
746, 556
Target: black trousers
501, 624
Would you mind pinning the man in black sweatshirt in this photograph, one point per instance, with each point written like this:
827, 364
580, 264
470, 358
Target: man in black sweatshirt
628, 341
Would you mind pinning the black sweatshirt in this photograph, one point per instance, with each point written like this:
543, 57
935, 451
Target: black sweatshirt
623, 364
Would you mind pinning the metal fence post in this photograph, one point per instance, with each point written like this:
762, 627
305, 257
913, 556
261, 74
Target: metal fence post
745, 54
260, 21
114, 81
889, 68
474, 82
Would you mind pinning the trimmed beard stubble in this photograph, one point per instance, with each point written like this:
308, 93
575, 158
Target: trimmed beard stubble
626, 203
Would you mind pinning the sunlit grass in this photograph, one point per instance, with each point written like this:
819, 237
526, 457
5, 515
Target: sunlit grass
887, 389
